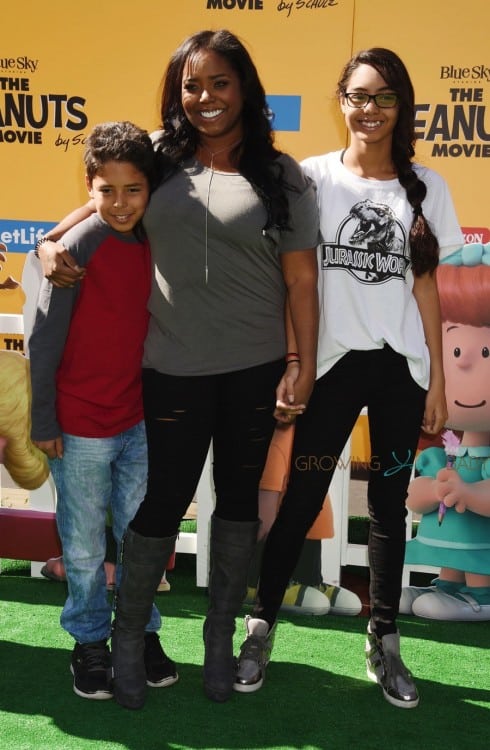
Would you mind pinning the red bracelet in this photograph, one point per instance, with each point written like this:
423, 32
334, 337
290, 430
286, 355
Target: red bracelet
292, 354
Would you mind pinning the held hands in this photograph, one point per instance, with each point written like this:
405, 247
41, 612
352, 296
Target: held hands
292, 393
52, 448
59, 267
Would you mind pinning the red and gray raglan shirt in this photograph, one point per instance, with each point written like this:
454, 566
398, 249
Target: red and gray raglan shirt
86, 347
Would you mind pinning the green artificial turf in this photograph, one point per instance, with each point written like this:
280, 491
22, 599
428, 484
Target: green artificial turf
316, 696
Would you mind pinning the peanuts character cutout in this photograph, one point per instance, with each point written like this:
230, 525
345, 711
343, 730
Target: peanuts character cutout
26, 464
9, 282
459, 541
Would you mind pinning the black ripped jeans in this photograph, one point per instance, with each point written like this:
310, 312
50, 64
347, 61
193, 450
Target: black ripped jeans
379, 379
183, 415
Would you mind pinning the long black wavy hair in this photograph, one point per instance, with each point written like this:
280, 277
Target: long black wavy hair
256, 154
423, 243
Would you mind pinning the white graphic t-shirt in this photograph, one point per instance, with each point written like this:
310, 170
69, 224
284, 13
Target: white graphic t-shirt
365, 276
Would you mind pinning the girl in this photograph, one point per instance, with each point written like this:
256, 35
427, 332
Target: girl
383, 221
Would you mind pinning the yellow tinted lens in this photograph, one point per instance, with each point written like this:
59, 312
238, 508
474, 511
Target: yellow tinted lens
386, 100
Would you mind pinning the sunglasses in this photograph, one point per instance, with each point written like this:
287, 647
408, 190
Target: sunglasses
359, 100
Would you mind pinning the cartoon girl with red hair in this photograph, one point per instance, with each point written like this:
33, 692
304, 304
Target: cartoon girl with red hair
460, 544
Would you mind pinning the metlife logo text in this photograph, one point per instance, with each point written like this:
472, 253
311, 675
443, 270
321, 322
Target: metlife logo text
21, 236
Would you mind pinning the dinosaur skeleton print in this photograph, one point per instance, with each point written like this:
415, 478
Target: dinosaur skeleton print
370, 244
365, 280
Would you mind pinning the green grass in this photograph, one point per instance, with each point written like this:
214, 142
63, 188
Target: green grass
316, 697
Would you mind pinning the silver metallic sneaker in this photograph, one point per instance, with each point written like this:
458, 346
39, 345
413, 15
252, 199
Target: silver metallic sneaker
255, 654
386, 668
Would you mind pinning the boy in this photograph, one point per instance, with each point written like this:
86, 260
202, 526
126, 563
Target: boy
87, 414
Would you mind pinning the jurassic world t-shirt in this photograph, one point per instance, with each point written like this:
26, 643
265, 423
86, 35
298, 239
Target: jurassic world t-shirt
365, 277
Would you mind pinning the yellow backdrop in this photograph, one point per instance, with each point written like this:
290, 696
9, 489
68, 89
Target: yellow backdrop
65, 66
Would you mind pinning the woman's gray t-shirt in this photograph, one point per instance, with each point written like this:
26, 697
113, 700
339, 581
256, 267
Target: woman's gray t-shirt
218, 293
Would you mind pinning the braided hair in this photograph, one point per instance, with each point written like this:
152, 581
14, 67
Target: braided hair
424, 247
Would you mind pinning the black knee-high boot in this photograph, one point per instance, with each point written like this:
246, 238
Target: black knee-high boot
231, 547
143, 561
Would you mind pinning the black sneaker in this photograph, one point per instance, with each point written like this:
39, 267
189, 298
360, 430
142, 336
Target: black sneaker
91, 669
385, 667
160, 670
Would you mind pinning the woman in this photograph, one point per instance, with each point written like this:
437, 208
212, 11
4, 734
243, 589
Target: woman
379, 346
232, 231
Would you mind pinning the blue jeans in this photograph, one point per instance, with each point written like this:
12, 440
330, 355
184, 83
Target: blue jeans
96, 474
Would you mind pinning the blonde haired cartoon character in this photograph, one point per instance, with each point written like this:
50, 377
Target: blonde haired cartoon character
460, 544
26, 464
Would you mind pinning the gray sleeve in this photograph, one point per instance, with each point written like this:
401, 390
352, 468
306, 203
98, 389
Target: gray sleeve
46, 344
305, 221
51, 326
304, 217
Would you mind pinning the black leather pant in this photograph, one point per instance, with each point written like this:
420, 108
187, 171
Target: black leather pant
183, 415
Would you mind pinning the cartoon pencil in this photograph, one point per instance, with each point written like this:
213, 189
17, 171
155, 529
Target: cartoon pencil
451, 445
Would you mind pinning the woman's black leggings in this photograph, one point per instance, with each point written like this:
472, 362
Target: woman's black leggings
379, 379
183, 414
